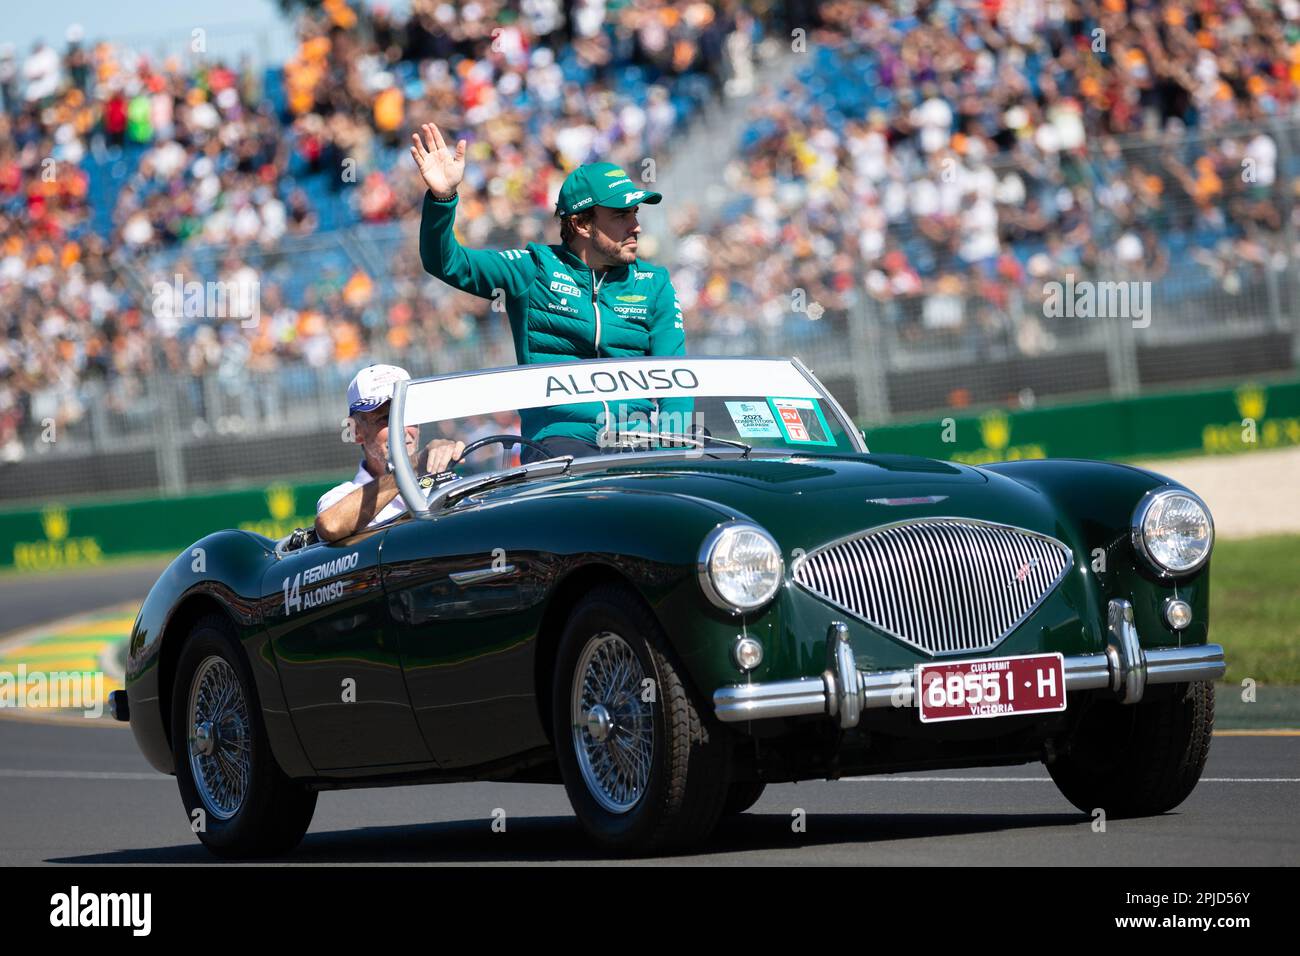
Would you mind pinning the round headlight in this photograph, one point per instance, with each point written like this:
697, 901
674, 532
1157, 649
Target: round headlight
740, 567
1173, 531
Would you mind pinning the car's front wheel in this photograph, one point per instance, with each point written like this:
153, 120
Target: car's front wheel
1141, 759
644, 766
239, 801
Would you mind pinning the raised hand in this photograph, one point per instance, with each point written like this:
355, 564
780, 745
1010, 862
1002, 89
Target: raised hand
440, 167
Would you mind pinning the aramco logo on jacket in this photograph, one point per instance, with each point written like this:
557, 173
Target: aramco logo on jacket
1252, 429
995, 435
59, 549
280, 505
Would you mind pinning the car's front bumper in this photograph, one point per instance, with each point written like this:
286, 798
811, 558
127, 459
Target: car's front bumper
843, 691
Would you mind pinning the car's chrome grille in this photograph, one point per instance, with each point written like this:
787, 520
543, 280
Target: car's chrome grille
944, 585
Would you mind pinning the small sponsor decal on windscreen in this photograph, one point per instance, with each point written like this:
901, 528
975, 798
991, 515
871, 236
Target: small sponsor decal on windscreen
753, 420
801, 421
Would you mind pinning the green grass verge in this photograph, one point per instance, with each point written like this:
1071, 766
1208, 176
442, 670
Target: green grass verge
1255, 608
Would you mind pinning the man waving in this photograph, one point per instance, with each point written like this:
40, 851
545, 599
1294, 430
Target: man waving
588, 297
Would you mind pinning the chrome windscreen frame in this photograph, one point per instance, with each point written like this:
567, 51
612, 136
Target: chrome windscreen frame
420, 506
408, 484
855, 436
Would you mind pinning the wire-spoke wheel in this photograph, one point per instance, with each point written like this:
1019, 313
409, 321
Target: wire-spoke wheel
613, 729
239, 802
219, 740
644, 766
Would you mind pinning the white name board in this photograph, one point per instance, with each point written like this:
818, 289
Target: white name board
565, 383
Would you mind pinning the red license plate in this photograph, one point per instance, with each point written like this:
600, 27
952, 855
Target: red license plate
992, 687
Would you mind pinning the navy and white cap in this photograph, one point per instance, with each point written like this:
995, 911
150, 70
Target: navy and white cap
374, 385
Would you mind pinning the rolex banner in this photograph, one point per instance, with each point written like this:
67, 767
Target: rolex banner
1250, 418
61, 536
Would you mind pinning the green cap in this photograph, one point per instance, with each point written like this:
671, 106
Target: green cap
600, 184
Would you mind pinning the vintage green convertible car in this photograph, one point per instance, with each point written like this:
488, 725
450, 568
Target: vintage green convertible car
741, 597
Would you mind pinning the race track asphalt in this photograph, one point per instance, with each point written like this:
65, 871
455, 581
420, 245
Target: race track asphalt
84, 795
81, 793
30, 599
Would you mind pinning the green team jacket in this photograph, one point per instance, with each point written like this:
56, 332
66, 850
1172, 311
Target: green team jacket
560, 311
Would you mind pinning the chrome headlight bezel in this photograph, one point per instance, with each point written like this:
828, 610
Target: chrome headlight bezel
1138, 535
709, 547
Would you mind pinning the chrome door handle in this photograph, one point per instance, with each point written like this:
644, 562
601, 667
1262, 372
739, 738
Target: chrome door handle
479, 574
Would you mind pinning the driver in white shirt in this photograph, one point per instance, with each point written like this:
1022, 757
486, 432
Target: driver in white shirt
371, 497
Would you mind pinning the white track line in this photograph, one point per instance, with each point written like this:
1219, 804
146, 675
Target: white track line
83, 775
893, 779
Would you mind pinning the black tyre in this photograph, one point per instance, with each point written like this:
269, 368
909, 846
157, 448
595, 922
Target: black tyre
742, 796
224, 765
1139, 760
645, 766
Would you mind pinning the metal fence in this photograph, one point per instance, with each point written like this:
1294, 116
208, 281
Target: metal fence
1212, 296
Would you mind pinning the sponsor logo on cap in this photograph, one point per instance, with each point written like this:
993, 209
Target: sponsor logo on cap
615, 172
373, 386
582, 202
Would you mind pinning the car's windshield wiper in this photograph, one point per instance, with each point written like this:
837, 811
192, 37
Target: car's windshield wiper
458, 489
631, 436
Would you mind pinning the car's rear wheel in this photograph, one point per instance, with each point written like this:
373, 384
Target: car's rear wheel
237, 798
741, 796
1141, 759
645, 767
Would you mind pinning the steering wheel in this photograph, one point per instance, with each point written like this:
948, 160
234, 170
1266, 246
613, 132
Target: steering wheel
505, 440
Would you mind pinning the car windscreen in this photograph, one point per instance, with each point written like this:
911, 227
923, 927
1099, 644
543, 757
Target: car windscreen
773, 422
586, 409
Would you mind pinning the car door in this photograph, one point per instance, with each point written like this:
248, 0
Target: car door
338, 657
466, 609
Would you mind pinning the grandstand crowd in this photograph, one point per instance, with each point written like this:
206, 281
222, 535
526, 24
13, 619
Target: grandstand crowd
923, 154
